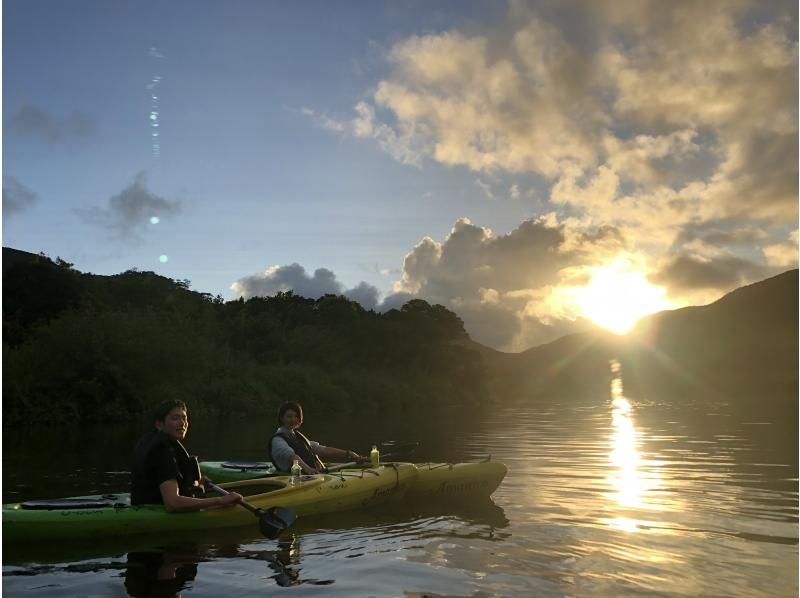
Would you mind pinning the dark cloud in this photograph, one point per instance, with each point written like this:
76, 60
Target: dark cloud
719, 233
528, 257
31, 120
365, 294
494, 283
295, 278
684, 273
16, 196
129, 211
763, 176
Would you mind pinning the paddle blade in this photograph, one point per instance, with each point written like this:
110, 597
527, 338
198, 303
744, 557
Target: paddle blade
276, 520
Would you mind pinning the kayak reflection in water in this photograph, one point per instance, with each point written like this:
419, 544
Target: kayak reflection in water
289, 444
162, 472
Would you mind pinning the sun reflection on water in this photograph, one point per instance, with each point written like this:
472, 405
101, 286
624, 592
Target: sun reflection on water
634, 483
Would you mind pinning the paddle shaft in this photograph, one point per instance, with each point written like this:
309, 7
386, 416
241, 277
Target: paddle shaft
252, 508
343, 465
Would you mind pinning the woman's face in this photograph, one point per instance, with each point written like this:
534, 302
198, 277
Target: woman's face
291, 419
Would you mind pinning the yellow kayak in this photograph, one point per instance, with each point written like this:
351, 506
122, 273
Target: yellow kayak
457, 481
433, 480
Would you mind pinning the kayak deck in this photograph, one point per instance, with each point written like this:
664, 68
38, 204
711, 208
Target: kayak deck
434, 481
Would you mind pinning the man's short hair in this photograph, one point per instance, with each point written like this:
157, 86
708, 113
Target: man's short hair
162, 410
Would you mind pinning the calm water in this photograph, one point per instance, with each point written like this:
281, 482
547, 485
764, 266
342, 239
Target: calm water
604, 498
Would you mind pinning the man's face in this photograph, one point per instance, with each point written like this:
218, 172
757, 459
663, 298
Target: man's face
175, 425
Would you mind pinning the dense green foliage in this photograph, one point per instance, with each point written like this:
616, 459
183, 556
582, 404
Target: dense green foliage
78, 346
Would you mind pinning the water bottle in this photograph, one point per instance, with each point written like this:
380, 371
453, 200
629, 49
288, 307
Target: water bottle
296, 471
375, 456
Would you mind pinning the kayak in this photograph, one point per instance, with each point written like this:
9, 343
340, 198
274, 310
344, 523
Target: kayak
433, 480
104, 516
233, 471
456, 481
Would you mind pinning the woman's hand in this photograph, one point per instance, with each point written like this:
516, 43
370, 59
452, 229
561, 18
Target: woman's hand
354, 456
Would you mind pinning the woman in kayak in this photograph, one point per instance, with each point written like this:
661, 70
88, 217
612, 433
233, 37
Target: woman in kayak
162, 472
289, 444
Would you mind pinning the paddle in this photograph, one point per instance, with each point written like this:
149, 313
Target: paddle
339, 466
272, 522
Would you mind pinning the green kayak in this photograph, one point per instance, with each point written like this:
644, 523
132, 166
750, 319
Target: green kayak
91, 517
433, 480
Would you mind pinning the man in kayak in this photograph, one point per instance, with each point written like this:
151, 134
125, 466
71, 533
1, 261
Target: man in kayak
289, 444
162, 471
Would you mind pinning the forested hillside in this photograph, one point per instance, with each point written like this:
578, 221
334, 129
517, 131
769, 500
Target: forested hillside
80, 346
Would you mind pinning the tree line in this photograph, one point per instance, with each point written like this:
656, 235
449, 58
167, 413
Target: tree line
84, 347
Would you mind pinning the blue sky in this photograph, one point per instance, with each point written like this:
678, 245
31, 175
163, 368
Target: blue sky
483, 155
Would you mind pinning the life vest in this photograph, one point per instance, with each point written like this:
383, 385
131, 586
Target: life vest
301, 447
144, 486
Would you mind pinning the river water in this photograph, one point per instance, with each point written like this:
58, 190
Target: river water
610, 497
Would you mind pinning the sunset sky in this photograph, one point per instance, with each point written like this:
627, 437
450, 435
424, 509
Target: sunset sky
532, 166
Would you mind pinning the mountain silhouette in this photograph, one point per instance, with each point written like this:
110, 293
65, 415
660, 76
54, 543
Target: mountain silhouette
741, 351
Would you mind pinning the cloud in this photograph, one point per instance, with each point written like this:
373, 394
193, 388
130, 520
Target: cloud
31, 120
686, 273
16, 197
130, 211
406, 143
365, 294
783, 254
294, 277
640, 114
666, 132
486, 188
504, 287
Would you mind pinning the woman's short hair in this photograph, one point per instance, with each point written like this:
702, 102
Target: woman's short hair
162, 410
290, 406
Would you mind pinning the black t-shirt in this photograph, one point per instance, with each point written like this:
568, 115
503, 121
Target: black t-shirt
153, 463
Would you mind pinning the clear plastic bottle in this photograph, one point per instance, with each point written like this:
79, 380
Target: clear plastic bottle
375, 456
296, 471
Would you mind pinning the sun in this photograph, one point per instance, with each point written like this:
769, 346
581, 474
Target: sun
617, 296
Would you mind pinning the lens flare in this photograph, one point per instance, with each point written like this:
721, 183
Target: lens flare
155, 113
618, 295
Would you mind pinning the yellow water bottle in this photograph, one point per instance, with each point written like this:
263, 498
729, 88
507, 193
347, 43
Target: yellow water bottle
375, 456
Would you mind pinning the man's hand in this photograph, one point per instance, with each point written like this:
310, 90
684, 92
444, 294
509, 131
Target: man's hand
229, 499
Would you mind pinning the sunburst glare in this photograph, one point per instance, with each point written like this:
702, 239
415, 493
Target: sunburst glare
618, 295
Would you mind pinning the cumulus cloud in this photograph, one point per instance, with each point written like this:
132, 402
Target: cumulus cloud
16, 197
504, 287
365, 294
784, 253
131, 210
687, 273
642, 114
294, 277
664, 131
31, 120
